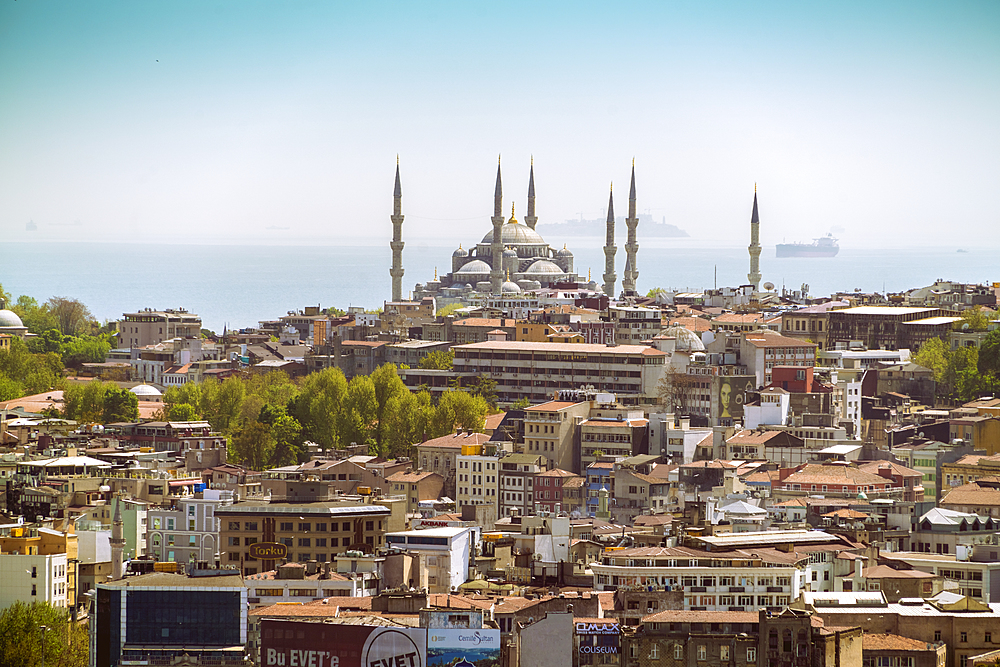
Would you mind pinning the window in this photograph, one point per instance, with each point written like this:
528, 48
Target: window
320, 527
702, 652
723, 652
305, 542
937, 635
192, 541
678, 652
170, 524
304, 527
988, 638
964, 637
233, 525
751, 655
286, 526
654, 652
190, 510
250, 525
369, 525
156, 524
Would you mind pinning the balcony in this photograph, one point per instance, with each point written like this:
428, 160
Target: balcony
737, 589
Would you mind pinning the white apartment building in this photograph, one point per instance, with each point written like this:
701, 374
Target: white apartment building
444, 555
760, 352
537, 371
33, 578
188, 530
477, 480
740, 580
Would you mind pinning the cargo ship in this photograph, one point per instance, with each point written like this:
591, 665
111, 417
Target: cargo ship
824, 247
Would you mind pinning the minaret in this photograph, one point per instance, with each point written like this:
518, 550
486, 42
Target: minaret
397, 239
754, 275
530, 218
496, 247
610, 249
631, 248
117, 541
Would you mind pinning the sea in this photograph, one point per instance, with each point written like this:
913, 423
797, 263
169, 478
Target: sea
240, 285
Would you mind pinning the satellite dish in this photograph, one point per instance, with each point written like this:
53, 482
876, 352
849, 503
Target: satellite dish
769, 286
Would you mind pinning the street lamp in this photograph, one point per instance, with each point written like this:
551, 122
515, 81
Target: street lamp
45, 629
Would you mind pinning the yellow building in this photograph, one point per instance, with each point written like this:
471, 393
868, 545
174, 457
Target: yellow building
969, 468
33, 541
980, 431
534, 332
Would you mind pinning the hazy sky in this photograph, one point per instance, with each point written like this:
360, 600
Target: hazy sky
211, 121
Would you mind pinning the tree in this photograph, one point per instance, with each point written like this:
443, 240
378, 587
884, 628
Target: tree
253, 445
520, 404
404, 422
72, 316
973, 319
182, 412
317, 406
286, 434
458, 408
23, 642
439, 360
120, 405
671, 388
85, 402
359, 411
989, 354
651, 294
934, 354
33, 373
450, 309
485, 388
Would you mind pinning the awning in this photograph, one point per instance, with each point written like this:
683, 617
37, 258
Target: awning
185, 482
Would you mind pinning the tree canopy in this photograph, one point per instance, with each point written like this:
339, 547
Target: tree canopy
23, 642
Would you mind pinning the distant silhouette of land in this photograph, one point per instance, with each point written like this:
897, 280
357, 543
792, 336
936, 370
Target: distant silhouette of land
581, 227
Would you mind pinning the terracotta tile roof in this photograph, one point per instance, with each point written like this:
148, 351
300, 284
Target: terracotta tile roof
754, 437
845, 513
678, 616
887, 642
456, 440
901, 470
763, 339
982, 492
579, 348
410, 477
886, 572
741, 318
551, 406
493, 421
556, 472
493, 323
695, 324
835, 474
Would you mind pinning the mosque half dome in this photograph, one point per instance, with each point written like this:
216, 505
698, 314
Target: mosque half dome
517, 234
9, 318
686, 340
476, 267
542, 266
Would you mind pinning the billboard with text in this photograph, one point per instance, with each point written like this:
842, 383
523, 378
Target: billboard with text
468, 648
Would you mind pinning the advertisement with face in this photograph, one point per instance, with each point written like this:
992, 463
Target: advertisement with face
463, 648
303, 644
732, 394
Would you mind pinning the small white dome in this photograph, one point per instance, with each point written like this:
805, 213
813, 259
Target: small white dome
686, 340
510, 288
145, 390
460, 252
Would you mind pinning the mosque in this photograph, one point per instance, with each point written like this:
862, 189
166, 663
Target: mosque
510, 260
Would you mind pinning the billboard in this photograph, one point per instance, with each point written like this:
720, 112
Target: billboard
268, 550
731, 395
303, 644
598, 641
465, 648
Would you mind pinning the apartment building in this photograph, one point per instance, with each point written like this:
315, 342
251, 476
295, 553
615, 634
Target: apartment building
761, 351
444, 554
517, 478
309, 531
148, 327
440, 455
810, 323
537, 371
478, 481
550, 429
49, 562
634, 324
188, 529
879, 327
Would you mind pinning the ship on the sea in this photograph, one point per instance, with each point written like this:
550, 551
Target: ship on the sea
823, 247
31, 226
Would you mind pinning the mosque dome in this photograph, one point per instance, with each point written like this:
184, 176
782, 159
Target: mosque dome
510, 252
686, 340
564, 252
541, 266
510, 288
460, 252
9, 318
516, 234
476, 267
